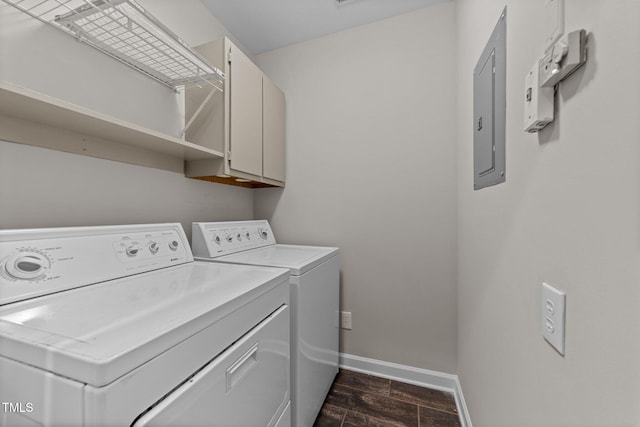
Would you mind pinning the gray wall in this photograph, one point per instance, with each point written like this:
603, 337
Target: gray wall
44, 188
569, 214
371, 168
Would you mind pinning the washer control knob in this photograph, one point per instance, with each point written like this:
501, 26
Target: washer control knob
239, 237
217, 239
154, 247
248, 236
133, 250
173, 245
229, 238
263, 233
27, 265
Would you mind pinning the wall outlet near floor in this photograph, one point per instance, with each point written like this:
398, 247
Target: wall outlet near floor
345, 319
553, 316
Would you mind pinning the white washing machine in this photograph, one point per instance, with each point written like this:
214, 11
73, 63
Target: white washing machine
315, 278
119, 326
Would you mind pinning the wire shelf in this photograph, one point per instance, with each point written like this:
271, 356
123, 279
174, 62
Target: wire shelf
125, 31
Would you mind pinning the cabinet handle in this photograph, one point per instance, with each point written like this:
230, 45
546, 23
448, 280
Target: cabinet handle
241, 367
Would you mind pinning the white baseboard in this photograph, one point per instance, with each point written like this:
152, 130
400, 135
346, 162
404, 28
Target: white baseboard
409, 374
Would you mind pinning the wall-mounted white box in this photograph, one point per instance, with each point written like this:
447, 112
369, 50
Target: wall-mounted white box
538, 102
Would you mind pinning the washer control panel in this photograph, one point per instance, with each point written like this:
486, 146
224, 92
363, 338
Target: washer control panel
214, 239
42, 261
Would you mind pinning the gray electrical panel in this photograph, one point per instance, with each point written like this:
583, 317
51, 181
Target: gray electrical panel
490, 108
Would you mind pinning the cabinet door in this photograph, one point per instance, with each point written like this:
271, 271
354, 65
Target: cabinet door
245, 116
273, 139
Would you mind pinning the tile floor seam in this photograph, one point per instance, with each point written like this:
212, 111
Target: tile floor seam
384, 393
418, 405
371, 392
395, 399
381, 393
375, 417
438, 409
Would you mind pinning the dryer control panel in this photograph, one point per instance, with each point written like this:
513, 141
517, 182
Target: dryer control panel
42, 261
214, 239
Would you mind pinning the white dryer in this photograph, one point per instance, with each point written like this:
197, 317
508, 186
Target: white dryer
315, 278
119, 326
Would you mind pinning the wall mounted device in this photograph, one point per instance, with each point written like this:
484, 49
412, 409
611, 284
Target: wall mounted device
490, 108
564, 54
538, 105
564, 58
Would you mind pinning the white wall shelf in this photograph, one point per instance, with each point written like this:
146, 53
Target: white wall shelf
33, 118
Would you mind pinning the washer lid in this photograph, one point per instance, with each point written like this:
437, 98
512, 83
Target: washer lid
98, 333
298, 259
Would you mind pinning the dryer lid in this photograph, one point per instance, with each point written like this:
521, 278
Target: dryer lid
298, 259
98, 333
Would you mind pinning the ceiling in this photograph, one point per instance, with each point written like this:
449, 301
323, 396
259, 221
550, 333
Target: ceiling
262, 25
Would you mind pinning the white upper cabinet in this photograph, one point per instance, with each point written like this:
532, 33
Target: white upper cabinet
247, 123
245, 90
273, 111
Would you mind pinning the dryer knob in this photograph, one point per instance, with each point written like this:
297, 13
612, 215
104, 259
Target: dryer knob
217, 239
173, 245
154, 247
133, 250
263, 233
229, 238
27, 265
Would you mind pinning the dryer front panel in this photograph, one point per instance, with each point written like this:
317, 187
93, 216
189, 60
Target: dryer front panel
247, 385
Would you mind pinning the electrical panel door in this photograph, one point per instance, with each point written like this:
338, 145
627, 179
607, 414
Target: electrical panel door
484, 158
489, 109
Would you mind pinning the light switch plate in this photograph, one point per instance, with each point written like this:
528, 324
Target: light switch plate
553, 316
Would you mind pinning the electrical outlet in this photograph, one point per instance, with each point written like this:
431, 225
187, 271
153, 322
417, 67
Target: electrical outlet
553, 316
345, 319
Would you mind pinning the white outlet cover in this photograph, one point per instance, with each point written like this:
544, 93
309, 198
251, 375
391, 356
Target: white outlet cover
552, 316
346, 320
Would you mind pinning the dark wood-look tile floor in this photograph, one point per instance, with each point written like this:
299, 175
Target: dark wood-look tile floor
361, 400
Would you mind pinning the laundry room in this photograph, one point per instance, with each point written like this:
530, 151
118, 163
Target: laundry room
443, 270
